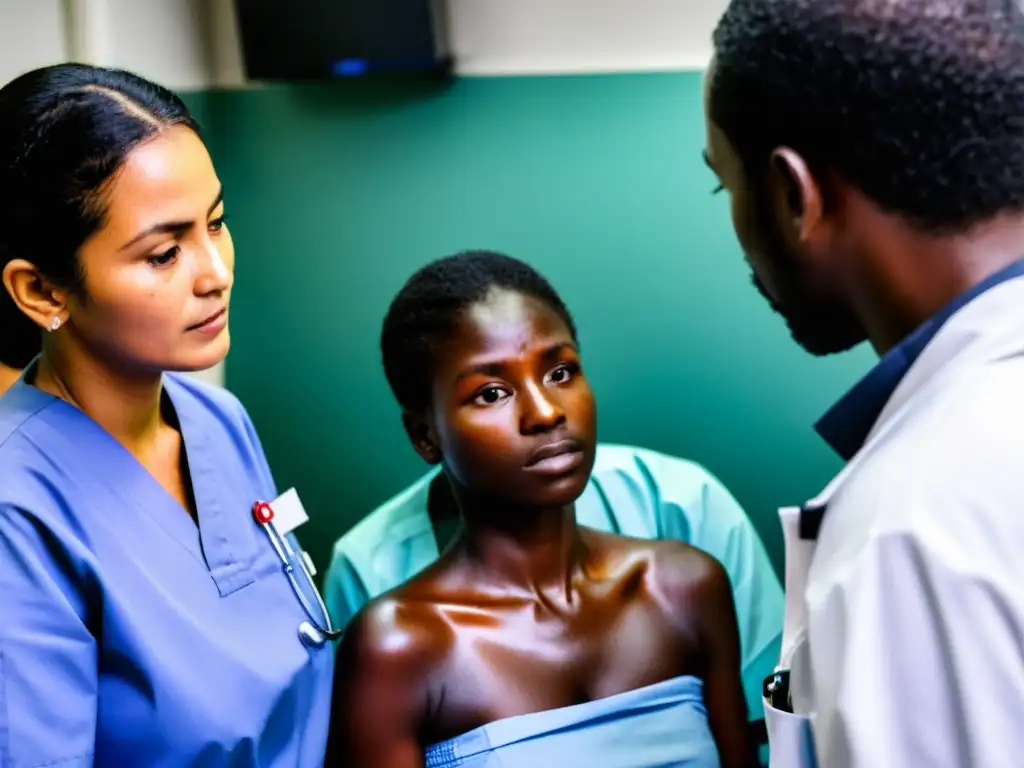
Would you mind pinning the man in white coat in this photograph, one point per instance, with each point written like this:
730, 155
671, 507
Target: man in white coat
873, 151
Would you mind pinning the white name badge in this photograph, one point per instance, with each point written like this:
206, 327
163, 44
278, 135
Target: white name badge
289, 513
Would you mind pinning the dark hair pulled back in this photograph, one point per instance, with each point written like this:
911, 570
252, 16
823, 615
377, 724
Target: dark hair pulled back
65, 130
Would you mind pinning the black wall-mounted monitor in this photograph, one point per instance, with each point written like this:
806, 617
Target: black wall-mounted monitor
324, 39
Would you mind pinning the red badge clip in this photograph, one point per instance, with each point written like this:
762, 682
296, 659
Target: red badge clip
262, 512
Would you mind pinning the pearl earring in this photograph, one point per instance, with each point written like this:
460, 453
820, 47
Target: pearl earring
55, 324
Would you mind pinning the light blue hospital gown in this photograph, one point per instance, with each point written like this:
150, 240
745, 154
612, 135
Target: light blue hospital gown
130, 636
663, 725
632, 491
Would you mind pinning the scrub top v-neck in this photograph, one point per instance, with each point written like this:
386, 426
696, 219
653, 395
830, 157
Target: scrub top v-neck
134, 634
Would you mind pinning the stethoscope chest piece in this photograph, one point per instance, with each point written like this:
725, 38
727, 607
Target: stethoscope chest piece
310, 636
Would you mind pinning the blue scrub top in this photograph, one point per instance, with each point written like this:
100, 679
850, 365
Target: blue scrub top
130, 635
633, 492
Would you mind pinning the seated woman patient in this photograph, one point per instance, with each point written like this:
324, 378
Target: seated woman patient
532, 641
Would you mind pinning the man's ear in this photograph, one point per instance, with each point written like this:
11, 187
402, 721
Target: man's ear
422, 437
34, 294
799, 194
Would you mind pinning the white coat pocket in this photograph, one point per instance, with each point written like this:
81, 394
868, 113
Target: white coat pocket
790, 739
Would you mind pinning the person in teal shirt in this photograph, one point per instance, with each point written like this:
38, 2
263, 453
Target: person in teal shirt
632, 491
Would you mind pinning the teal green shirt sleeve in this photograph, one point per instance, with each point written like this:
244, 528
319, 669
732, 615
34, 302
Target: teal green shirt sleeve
760, 602
382, 550
344, 591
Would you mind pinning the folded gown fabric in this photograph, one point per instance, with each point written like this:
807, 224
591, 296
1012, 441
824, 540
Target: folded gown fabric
659, 725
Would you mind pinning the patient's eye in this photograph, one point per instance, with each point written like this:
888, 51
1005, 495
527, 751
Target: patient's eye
490, 396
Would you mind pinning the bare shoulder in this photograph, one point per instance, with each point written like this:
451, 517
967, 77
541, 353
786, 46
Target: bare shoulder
686, 582
686, 577
382, 676
399, 631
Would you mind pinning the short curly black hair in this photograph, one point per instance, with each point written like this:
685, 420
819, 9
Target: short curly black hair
917, 103
426, 309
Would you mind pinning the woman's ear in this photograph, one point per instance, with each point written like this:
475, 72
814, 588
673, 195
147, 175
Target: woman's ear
35, 295
422, 437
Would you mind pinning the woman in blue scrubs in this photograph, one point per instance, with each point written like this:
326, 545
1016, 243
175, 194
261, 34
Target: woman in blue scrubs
147, 618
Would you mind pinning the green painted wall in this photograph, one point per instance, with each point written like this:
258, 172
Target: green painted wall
337, 193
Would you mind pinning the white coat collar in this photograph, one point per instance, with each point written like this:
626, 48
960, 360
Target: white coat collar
989, 327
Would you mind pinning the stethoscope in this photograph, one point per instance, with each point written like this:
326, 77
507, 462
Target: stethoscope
311, 633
